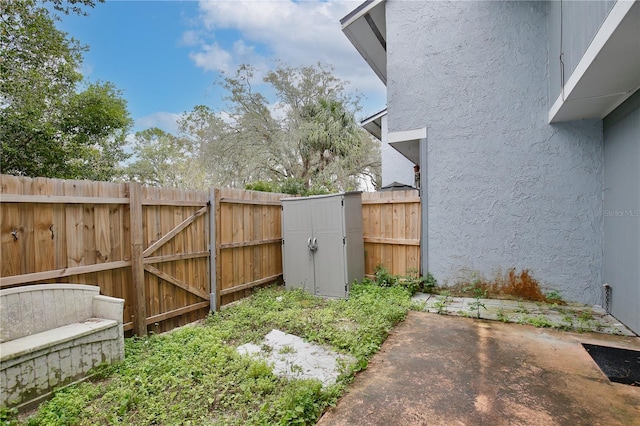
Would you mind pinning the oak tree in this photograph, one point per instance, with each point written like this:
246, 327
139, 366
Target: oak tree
307, 137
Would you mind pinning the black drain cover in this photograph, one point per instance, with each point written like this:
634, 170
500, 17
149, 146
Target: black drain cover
619, 365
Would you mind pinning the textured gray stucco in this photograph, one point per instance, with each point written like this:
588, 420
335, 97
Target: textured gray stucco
506, 189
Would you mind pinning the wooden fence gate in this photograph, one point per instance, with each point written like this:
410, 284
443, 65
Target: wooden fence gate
170, 256
108, 235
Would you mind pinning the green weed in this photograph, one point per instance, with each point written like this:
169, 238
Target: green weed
442, 302
586, 315
501, 316
568, 320
194, 375
554, 297
539, 321
478, 294
521, 309
287, 349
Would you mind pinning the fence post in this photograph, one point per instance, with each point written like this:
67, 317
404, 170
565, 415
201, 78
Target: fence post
218, 268
213, 256
424, 203
137, 265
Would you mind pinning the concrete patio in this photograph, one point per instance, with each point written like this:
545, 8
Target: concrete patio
449, 370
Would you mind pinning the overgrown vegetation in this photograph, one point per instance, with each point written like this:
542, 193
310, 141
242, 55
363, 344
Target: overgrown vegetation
290, 185
195, 376
412, 281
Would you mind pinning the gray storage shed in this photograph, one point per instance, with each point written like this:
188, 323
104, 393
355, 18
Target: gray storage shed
323, 246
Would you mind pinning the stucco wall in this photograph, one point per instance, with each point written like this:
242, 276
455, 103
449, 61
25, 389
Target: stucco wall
506, 189
395, 167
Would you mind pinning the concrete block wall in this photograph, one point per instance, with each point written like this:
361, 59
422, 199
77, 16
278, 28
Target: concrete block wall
53, 334
28, 377
505, 188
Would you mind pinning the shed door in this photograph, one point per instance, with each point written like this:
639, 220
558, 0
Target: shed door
621, 267
297, 258
329, 259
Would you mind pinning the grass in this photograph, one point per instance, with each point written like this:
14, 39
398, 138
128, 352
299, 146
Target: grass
195, 376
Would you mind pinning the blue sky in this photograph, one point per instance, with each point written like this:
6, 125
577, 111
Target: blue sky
166, 55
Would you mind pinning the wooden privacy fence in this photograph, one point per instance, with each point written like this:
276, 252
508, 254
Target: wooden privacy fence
152, 246
391, 229
248, 241
149, 246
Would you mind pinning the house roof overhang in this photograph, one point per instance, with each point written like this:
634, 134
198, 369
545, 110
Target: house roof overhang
366, 28
609, 71
373, 124
407, 143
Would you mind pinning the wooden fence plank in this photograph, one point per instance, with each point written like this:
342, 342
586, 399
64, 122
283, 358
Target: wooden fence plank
152, 233
392, 241
157, 272
44, 237
247, 226
179, 243
259, 242
89, 235
175, 203
60, 199
75, 227
169, 235
216, 247
174, 257
251, 202
59, 228
137, 265
10, 227
212, 265
27, 238
176, 312
61, 273
248, 285
405, 200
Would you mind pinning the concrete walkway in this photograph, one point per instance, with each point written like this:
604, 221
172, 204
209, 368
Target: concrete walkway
573, 316
449, 370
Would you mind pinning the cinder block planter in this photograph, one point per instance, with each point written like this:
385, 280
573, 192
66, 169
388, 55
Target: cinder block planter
52, 335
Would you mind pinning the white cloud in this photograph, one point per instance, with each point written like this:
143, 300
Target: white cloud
167, 121
298, 33
190, 38
212, 57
